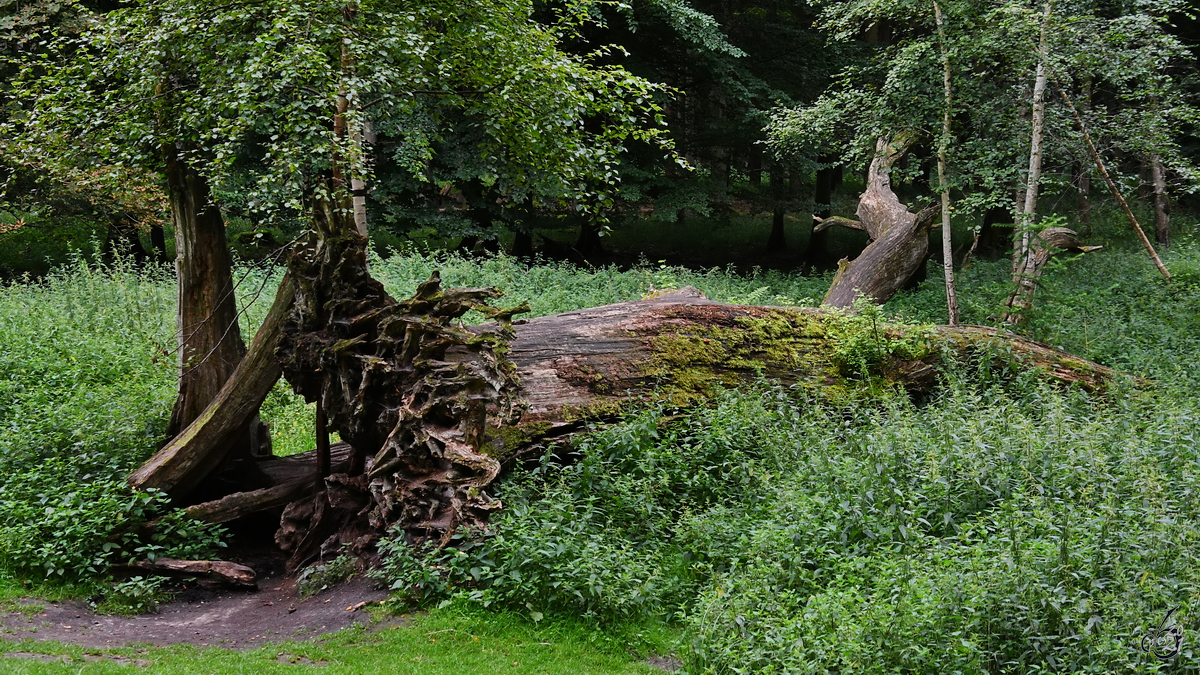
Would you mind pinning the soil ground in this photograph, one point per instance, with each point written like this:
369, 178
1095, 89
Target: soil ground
232, 619
199, 616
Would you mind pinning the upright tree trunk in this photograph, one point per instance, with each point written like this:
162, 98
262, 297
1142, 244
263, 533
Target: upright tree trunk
122, 240
522, 244
1162, 205
1028, 211
1025, 254
818, 240
943, 183
1083, 186
588, 243
158, 239
777, 241
1083, 179
210, 342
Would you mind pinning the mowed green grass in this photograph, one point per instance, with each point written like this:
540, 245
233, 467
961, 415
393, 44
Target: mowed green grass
443, 642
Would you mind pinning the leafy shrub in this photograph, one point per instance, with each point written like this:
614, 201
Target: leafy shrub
321, 576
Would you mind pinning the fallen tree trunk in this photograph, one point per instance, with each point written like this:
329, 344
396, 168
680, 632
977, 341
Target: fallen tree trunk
203, 446
429, 408
437, 407
899, 238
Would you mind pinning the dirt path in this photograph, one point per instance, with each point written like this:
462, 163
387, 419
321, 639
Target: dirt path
236, 620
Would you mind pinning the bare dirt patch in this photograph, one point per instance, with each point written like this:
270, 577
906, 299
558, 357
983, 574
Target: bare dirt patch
232, 619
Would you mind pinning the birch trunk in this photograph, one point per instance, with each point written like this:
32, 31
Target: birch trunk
943, 183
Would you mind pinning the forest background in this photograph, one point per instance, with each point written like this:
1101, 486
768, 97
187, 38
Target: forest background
1001, 526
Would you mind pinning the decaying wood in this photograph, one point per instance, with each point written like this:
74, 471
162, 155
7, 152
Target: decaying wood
1041, 249
380, 369
429, 408
437, 406
202, 447
210, 343
210, 573
899, 237
291, 478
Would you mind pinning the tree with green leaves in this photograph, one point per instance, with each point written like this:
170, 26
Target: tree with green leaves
1006, 127
193, 89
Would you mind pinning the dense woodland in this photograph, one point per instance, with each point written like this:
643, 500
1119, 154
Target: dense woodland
843, 336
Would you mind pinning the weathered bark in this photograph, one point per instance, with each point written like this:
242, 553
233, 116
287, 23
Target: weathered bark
1043, 246
290, 478
899, 237
209, 573
204, 445
210, 342
1162, 205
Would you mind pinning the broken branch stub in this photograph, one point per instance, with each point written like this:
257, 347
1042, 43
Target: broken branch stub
385, 375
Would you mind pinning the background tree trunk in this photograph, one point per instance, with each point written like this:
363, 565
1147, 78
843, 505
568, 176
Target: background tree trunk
1162, 205
210, 343
778, 239
943, 183
1027, 215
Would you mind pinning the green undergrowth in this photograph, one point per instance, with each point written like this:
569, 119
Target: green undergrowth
1003, 529
441, 642
1000, 525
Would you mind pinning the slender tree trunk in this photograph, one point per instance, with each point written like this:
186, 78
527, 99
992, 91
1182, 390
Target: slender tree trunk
158, 239
777, 241
818, 240
1028, 212
1024, 255
1112, 187
210, 342
1083, 182
943, 183
1162, 205
1083, 186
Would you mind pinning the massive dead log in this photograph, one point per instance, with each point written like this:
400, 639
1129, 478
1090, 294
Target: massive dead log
899, 238
436, 407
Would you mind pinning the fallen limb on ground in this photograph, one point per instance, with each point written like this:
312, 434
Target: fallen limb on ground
212, 573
